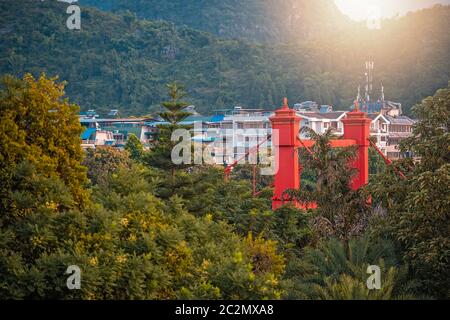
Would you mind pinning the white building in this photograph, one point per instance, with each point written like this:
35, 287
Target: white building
239, 131
379, 129
321, 122
400, 128
244, 129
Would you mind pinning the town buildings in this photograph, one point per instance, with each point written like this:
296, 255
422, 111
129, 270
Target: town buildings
111, 131
230, 134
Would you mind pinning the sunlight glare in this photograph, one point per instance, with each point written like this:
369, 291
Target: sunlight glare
361, 9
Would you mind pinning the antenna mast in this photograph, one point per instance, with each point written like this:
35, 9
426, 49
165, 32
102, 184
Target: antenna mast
369, 83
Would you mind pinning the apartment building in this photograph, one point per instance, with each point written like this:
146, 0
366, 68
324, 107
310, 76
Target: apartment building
400, 128
243, 129
230, 134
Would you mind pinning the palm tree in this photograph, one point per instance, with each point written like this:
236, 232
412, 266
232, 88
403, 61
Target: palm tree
342, 212
327, 272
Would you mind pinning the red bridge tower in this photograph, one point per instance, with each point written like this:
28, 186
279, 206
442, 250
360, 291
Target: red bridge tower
286, 124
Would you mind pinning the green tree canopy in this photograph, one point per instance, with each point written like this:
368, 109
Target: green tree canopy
135, 147
341, 212
104, 161
418, 216
41, 127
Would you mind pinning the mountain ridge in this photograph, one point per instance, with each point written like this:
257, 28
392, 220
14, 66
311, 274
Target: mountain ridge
121, 62
266, 21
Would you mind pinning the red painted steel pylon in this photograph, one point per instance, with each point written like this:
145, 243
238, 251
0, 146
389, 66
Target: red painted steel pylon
357, 127
286, 124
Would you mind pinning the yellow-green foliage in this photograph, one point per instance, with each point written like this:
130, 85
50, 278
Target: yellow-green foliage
418, 206
128, 243
140, 233
40, 127
132, 245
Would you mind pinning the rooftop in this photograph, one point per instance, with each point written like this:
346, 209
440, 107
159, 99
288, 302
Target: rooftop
335, 115
111, 120
401, 120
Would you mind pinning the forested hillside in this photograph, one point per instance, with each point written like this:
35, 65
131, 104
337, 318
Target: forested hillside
119, 61
270, 21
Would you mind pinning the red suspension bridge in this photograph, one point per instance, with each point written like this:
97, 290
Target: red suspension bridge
286, 124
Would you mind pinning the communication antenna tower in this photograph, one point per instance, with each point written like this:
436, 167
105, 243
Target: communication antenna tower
369, 82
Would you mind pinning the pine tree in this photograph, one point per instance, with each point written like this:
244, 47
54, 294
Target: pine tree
160, 156
174, 107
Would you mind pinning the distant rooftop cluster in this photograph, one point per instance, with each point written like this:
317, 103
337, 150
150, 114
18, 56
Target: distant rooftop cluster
238, 124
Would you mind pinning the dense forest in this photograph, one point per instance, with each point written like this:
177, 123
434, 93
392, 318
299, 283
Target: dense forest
191, 234
120, 61
269, 21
